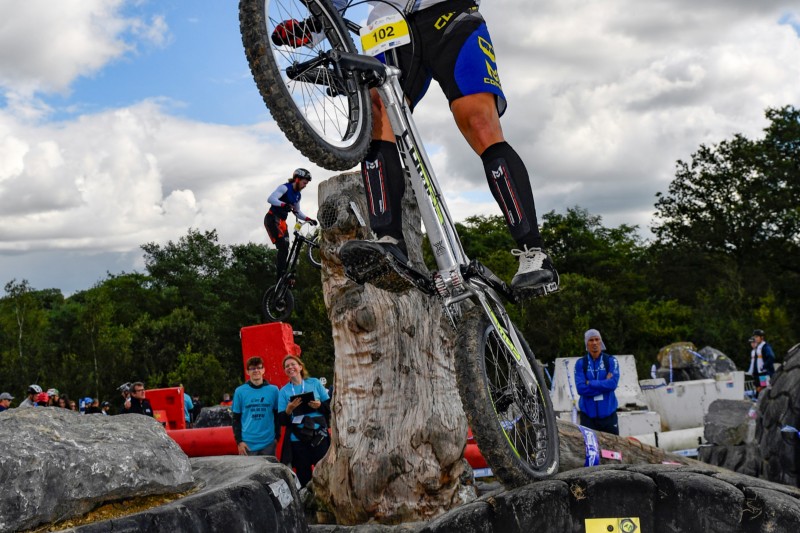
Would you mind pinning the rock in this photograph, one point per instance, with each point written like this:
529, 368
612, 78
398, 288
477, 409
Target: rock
57, 463
743, 459
214, 417
727, 422
778, 407
237, 493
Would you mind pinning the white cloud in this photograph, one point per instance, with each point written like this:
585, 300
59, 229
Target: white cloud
46, 45
604, 97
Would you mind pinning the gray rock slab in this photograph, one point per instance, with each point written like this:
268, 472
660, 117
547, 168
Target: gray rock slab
57, 464
727, 421
237, 494
214, 417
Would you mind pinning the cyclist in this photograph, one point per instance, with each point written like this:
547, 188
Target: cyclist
282, 201
451, 44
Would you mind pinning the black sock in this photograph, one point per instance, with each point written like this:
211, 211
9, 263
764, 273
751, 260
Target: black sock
384, 184
511, 188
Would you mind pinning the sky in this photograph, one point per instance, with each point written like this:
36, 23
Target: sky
129, 122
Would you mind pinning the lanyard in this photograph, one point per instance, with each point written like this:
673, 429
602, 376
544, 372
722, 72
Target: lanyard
294, 392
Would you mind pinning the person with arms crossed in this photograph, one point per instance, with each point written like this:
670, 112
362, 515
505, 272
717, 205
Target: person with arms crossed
254, 410
450, 43
596, 378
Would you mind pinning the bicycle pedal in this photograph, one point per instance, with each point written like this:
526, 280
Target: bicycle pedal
380, 269
539, 291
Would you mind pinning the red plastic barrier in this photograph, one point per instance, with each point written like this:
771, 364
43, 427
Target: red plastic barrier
205, 442
272, 342
170, 401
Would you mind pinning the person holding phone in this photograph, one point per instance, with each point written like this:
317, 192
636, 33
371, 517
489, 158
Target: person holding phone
303, 407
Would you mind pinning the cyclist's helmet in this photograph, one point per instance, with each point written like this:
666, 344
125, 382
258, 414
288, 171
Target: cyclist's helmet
301, 173
34, 389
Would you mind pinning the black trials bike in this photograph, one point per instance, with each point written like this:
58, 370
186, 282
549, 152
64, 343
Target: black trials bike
278, 301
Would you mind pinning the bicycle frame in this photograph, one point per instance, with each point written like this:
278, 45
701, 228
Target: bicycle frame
457, 278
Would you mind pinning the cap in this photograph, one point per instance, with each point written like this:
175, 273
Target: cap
758, 333
752, 339
6, 396
593, 333
34, 389
52, 392
105, 404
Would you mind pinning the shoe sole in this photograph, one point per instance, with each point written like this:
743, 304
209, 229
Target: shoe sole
373, 265
538, 291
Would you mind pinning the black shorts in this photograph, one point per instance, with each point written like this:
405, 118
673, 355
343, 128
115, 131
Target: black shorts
276, 228
451, 44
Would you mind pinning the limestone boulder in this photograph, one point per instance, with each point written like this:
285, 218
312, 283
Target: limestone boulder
58, 464
214, 417
728, 421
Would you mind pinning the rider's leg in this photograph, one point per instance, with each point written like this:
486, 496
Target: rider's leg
384, 181
279, 235
477, 118
282, 245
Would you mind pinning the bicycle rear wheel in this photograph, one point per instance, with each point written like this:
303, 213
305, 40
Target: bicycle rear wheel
515, 430
324, 114
277, 307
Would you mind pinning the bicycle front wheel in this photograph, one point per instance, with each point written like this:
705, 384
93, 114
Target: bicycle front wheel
277, 307
515, 429
314, 256
325, 114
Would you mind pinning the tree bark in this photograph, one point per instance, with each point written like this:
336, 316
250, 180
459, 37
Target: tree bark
398, 428
573, 450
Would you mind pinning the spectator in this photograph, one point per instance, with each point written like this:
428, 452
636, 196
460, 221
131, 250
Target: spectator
226, 400
198, 407
135, 402
254, 412
306, 420
5, 401
32, 393
93, 408
762, 360
73, 406
42, 399
187, 408
54, 397
596, 378
105, 407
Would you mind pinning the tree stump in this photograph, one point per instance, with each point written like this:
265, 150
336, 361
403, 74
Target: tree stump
398, 428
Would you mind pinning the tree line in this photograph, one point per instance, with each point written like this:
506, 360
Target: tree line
724, 259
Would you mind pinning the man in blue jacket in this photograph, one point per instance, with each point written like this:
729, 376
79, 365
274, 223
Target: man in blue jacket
597, 377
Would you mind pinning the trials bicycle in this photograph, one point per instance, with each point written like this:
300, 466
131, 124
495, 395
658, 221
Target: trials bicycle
277, 303
317, 90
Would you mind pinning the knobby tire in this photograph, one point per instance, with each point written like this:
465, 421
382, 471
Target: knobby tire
516, 432
277, 311
332, 131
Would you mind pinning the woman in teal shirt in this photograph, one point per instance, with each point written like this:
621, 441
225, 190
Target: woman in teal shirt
306, 421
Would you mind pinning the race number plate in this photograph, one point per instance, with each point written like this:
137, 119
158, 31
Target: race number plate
384, 34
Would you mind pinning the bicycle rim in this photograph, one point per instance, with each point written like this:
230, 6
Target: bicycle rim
515, 429
314, 256
277, 307
325, 115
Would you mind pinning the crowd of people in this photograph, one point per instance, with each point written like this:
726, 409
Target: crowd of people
35, 396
